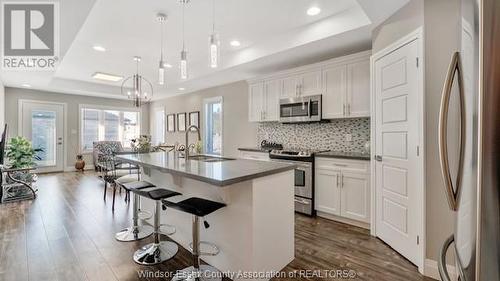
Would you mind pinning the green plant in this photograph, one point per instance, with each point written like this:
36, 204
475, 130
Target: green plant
21, 154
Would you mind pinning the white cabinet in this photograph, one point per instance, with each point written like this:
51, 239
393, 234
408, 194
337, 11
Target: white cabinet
306, 83
255, 101
358, 89
272, 93
263, 100
346, 90
344, 84
334, 95
342, 188
327, 192
254, 155
290, 87
355, 196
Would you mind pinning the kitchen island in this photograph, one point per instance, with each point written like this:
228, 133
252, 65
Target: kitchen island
254, 232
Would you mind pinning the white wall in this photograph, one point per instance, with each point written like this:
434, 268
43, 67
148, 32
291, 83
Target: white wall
237, 131
438, 17
13, 95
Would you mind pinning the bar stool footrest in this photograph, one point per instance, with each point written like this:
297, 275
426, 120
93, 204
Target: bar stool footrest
169, 232
204, 273
212, 251
144, 215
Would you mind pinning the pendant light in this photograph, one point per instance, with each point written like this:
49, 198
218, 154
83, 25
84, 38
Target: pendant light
183, 63
161, 68
213, 43
141, 91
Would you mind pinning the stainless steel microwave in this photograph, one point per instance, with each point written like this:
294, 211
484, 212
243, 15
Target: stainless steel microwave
300, 109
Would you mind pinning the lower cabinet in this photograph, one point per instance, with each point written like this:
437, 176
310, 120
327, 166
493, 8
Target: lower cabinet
342, 189
253, 155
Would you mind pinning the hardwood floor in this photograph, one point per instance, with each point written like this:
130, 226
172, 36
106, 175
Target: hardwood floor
67, 233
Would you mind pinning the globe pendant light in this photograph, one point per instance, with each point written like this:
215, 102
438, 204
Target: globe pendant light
141, 91
183, 63
213, 43
161, 68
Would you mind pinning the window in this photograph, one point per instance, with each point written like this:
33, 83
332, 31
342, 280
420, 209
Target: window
213, 124
110, 125
159, 129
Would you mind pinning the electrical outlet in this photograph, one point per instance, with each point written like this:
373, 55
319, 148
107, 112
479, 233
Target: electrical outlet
348, 137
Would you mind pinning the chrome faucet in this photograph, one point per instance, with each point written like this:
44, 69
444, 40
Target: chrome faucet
187, 147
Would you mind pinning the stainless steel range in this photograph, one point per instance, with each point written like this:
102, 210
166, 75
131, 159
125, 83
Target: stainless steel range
304, 176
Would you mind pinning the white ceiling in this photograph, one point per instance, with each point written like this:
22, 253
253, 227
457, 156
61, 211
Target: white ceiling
275, 35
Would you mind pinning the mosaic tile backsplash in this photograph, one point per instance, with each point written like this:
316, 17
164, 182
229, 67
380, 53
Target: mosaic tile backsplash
322, 136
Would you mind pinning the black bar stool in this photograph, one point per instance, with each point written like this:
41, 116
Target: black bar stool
199, 208
136, 231
158, 251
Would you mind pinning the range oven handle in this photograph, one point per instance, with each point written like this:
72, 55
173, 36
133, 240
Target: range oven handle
309, 105
301, 201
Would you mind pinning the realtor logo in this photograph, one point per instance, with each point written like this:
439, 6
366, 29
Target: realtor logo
30, 35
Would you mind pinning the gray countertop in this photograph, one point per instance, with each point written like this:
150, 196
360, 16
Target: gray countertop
254, 149
344, 155
216, 173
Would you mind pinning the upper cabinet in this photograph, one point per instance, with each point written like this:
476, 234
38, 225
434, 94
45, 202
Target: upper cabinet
344, 84
358, 89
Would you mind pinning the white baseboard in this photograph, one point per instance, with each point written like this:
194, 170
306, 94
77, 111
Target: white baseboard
343, 220
72, 168
431, 270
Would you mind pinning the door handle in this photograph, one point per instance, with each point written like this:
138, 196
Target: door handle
451, 194
443, 271
378, 158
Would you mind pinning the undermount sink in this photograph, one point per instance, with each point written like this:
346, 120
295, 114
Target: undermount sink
208, 158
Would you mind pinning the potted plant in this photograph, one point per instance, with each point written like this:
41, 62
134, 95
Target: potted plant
21, 154
141, 144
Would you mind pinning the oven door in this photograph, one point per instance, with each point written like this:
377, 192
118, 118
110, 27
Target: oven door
302, 178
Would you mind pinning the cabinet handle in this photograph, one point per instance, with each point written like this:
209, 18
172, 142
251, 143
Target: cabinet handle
343, 110
342, 180
349, 109
337, 180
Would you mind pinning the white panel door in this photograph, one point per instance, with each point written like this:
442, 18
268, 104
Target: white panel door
255, 102
327, 191
334, 96
355, 201
290, 87
358, 89
397, 170
43, 124
310, 83
272, 93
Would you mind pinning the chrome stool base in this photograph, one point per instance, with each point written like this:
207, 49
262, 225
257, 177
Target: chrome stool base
155, 253
205, 273
134, 233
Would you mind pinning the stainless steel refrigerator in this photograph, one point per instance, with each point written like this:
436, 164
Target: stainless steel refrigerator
469, 143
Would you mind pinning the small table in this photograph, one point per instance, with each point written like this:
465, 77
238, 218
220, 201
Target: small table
13, 188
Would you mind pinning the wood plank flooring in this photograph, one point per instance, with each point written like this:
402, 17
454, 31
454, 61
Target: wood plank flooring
67, 233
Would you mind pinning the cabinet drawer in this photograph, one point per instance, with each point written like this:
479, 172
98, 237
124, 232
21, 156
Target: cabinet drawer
264, 156
343, 164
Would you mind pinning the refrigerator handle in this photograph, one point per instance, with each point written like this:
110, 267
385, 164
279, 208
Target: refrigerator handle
451, 194
443, 270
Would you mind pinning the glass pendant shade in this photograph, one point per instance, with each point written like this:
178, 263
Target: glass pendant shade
183, 65
214, 50
161, 73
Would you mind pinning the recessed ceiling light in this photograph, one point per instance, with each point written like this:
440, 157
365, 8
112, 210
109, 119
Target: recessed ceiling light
313, 11
26, 85
99, 48
182, 89
107, 77
168, 65
235, 43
